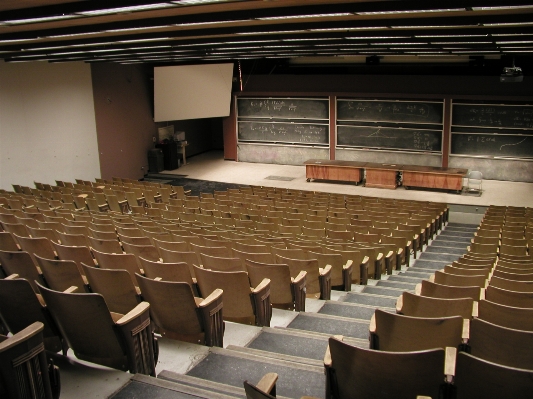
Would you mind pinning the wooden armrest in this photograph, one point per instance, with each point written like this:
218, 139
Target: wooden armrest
298, 291
324, 280
327, 355
215, 295
261, 304
399, 304
449, 363
372, 326
418, 289
399, 256
267, 383
466, 330
132, 314
33, 329
432, 278
378, 264
211, 313
364, 270
39, 270
347, 272
71, 289
482, 294
264, 283
12, 276
388, 262
158, 279
475, 309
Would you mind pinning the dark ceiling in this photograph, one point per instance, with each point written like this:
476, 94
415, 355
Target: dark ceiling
275, 36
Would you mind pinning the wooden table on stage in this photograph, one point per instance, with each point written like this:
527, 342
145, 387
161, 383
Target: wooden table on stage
334, 170
382, 175
433, 177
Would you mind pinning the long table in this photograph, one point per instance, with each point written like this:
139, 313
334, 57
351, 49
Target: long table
386, 175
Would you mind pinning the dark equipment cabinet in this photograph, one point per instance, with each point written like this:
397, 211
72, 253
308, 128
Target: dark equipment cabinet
170, 154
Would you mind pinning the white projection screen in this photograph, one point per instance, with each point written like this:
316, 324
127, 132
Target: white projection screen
192, 91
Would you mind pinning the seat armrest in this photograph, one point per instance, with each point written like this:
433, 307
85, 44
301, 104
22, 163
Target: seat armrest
347, 272
466, 331
364, 270
71, 290
418, 289
138, 340
378, 264
324, 279
12, 276
388, 262
399, 257
475, 309
408, 252
298, 291
267, 384
449, 363
261, 305
399, 304
211, 314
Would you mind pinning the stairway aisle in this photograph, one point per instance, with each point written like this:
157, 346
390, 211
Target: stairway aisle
295, 350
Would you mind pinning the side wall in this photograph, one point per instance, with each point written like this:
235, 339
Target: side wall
47, 124
124, 121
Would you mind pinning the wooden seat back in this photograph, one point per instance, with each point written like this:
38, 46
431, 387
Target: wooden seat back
410, 304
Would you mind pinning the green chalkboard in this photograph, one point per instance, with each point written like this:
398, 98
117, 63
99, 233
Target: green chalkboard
390, 111
389, 138
283, 108
283, 132
492, 144
493, 116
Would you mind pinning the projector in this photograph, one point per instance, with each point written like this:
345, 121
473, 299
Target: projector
512, 74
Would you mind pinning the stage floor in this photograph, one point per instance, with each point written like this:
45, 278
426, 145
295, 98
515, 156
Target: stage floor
212, 166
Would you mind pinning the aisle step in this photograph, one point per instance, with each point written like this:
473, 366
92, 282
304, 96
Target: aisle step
302, 345
393, 292
233, 367
144, 386
449, 244
369, 299
397, 284
333, 325
351, 310
445, 250
405, 278
437, 257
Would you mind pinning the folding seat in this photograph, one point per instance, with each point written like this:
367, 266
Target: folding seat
93, 335
106, 246
358, 373
467, 271
513, 274
506, 316
115, 285
511, 285
122, 261
285, 292
24, 367
62, 274
180, 315
455, 280
409, 304
20, 306
242, 303
501, 345
21, 264
222, 264
434, 290
399, 333
7, 242
506, 297
318, 284
476, 378
145, 251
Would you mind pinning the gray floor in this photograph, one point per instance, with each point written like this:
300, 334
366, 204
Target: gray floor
80, 379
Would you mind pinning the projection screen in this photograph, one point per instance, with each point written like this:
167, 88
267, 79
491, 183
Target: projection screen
192, 91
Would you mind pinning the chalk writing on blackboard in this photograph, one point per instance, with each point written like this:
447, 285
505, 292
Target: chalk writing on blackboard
283, 108
497, 116
390, 111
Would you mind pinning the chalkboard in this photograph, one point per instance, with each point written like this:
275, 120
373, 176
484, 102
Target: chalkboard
283, 108
390, 111
283, 132
493, 116
498, 145
389, 138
